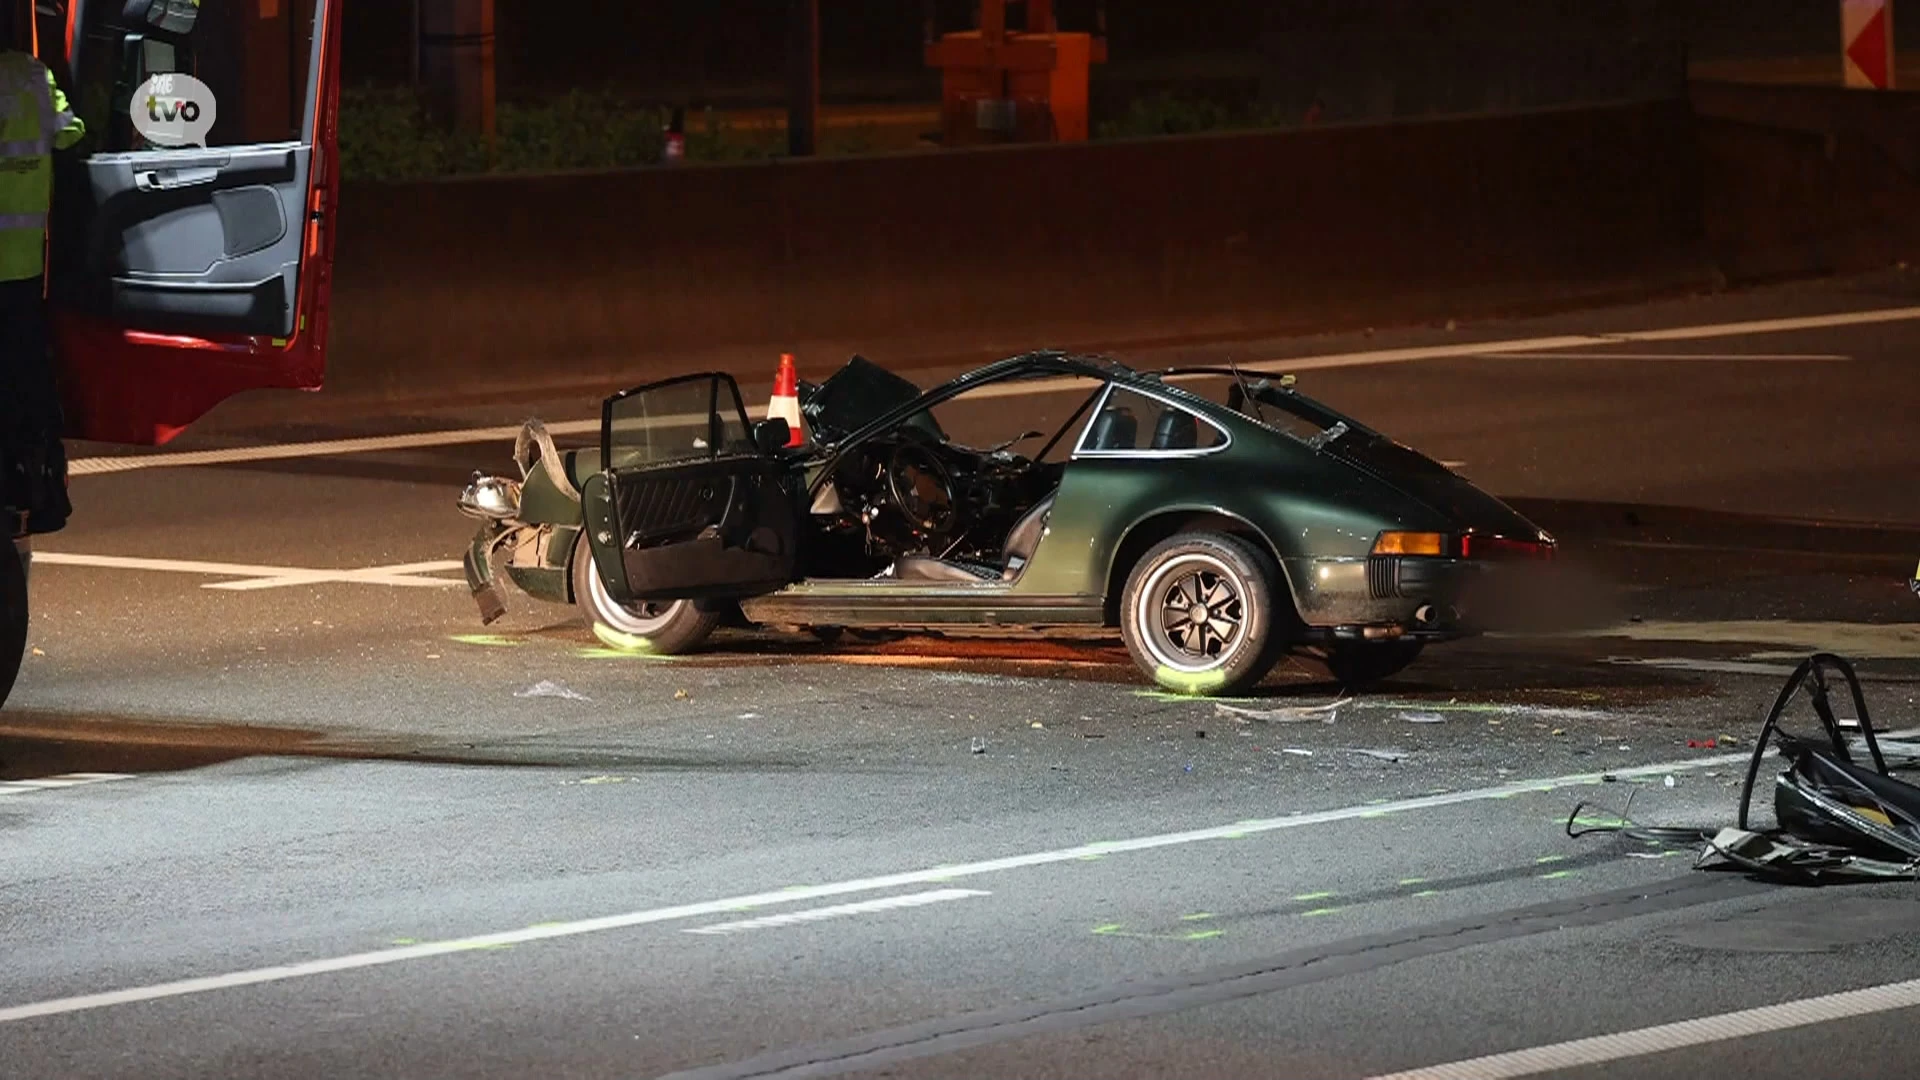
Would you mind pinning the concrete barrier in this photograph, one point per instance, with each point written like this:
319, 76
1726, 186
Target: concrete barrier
1808, 180
482, 284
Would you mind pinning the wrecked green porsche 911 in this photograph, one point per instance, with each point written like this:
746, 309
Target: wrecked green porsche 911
1216, 533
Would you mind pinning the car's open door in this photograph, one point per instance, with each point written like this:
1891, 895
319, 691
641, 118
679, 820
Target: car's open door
183, 274
687, 504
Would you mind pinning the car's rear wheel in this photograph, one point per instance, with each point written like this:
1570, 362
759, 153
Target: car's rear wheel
1198, 613
1357, 665
668, 627
13, 619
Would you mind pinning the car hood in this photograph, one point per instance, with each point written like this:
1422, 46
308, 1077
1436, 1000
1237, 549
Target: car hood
853, 397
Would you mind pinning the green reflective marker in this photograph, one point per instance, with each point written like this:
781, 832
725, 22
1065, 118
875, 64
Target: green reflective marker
498, 641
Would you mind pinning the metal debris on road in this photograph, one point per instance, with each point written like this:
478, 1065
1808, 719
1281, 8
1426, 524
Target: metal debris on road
1288, 714
1296, 751
1838, 818
547, 688
979, 745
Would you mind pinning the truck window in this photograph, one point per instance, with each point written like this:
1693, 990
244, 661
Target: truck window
252, 54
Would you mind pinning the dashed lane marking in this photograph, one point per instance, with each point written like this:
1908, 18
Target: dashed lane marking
1519, 348
1235, 831
54, 783
863, 907
404, 575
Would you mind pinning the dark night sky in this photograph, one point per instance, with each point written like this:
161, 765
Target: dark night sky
656, 45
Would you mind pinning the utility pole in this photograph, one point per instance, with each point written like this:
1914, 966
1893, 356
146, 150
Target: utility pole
803, 76
455, 49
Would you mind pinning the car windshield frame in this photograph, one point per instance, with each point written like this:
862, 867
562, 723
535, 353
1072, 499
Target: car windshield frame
1033, 365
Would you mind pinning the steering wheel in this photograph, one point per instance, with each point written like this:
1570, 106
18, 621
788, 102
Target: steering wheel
921, 487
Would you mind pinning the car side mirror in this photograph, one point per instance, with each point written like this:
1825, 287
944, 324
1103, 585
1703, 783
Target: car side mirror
771, 435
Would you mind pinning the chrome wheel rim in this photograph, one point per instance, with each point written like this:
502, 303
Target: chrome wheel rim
1192, 613
643, 619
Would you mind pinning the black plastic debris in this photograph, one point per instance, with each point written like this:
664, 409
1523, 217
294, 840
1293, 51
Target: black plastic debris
1836, 817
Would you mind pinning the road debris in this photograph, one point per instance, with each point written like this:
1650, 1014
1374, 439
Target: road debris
681, 695
1287, 714
1838, 818
1423, 718
1296, 751
979, 745
547, 688
1378, 755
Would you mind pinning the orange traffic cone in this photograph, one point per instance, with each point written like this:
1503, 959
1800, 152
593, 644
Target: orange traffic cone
786, 401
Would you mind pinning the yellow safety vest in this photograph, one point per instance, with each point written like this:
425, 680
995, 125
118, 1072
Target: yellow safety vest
34, 121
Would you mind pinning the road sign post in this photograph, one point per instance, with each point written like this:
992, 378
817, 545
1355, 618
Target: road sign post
1866, 43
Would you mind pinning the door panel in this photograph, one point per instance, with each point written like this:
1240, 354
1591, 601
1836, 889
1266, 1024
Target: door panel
694, 509
726, 528
181, 276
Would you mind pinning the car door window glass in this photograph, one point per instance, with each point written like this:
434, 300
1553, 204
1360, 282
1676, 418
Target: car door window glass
683, 421
1129, 422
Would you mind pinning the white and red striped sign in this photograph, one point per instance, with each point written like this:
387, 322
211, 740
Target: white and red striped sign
1866, 43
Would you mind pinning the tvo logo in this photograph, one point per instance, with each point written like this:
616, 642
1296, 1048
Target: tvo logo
173, 110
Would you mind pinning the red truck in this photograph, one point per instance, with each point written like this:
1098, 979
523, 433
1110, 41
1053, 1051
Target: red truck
179, 276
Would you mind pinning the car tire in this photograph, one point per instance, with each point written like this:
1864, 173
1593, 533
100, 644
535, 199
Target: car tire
1231, 584
1359, 664
667, 627
13, 620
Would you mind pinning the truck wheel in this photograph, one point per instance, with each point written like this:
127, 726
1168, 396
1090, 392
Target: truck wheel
13, 620
1198, 613
1359, 664
667, 627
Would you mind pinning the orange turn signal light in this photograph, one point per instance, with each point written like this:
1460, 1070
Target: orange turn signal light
1410, 543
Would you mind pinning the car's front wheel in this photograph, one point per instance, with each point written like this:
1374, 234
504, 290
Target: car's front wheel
1198, 613
668, 627
13, 619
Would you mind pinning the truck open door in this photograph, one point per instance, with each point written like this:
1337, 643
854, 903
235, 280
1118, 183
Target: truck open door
181, 275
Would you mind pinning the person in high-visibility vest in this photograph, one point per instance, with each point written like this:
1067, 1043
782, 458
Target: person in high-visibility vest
34, 122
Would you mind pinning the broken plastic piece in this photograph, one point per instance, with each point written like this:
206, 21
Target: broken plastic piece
1291, 714
549, 688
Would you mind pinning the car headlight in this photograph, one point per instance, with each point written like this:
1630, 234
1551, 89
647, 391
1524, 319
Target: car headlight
490, 497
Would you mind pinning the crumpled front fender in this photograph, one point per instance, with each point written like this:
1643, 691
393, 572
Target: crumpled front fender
478, 563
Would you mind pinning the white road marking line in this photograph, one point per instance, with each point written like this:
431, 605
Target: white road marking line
52, 783
933, 875
264, 577
1753, 357
863, 907
1676, 1036
1548, 347
327, 448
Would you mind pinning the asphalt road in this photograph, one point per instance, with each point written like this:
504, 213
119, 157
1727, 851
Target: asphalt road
330, 826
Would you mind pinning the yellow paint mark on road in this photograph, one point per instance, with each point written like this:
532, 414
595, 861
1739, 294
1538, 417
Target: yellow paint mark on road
1321, 911
1196, 916
1558, 874
1404, 882
1304, 897
494, 641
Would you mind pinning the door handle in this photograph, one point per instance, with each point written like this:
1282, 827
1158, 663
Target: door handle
168, 179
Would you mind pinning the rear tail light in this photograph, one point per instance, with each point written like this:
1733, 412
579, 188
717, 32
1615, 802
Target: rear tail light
1501, 547
1410, 543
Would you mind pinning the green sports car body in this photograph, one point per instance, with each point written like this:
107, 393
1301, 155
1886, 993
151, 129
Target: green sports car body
1218, 532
